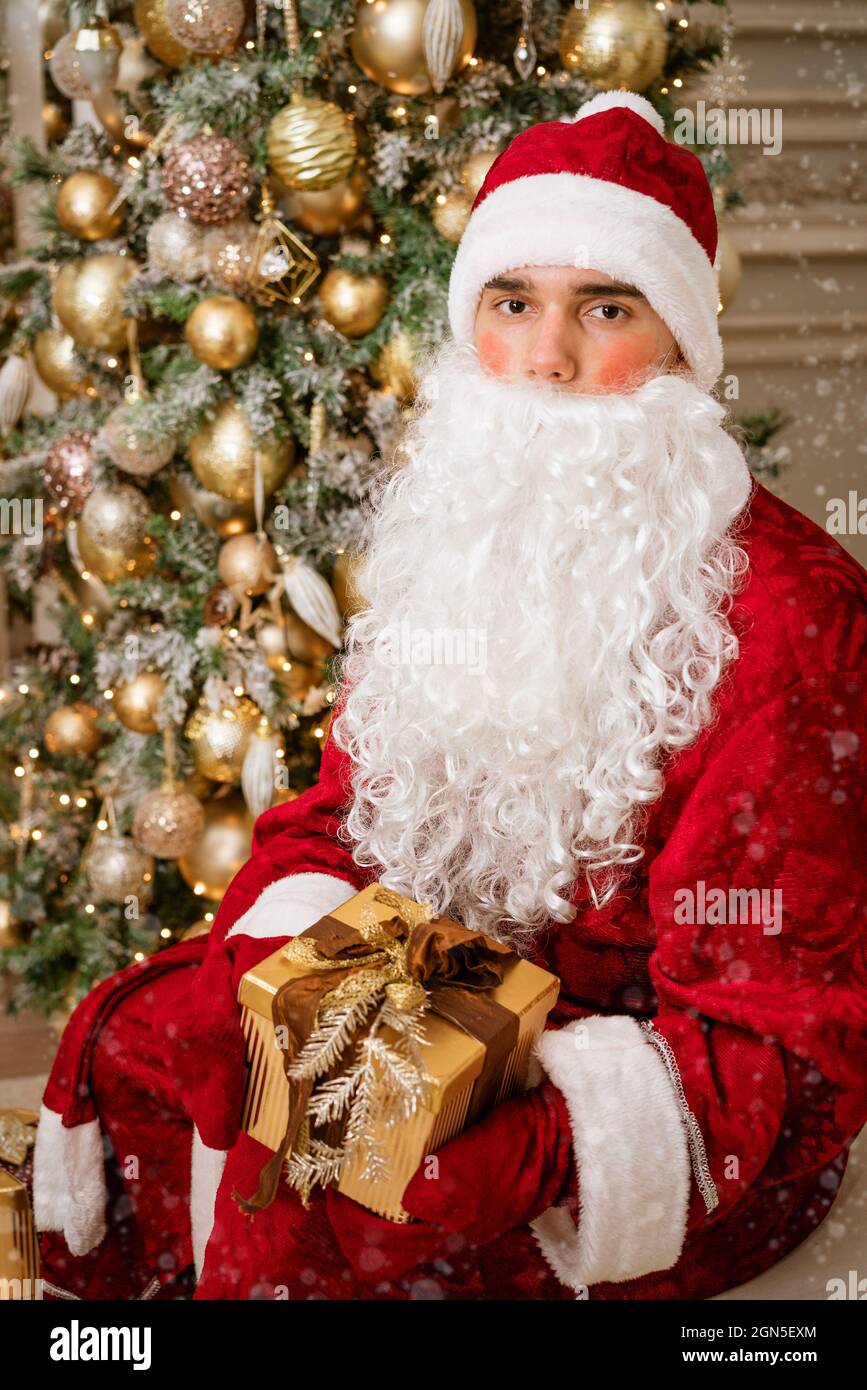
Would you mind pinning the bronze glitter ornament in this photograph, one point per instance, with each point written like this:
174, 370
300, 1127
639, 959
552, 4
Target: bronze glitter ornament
175, 246
136, 702
82, 205
219, 738
223, 849
222, 332
129, 447
69, 470
223, 455
71, 731
117, 869
88, 299
207, 178
168, 822
206, 26
311, 144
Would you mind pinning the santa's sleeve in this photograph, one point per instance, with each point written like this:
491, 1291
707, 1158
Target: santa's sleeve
298, 872
753, 1069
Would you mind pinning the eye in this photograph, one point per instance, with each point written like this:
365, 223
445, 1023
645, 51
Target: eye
609, 312
509, 303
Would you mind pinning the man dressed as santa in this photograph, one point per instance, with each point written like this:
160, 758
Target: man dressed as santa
605, 704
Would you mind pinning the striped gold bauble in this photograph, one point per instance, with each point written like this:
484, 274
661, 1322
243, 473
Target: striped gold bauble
311, 144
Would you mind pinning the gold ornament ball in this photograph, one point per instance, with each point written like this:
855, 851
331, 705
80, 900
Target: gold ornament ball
117, 869
475, 171
248, 565
56, 362
137, 702
71, 731
129, 448
222, 332
223, 451
223, 849
111, 529
311, 144
150, 20
615, 44
175, 246
219, 738
388, 44
88, 298
353, 303
216, 512
82, 205
227, 253
298, 678
168, 822
55, 121
394, 366
450, 217
730, 270
328, 211
344, 582
115, 515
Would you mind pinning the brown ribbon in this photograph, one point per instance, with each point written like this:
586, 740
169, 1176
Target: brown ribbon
456, 966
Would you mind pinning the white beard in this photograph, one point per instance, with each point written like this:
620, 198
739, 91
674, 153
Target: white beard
584, 539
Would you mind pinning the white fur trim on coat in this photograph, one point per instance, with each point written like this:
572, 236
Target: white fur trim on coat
631, 1153
69, 1191
292, 904
206, 1170
572, 219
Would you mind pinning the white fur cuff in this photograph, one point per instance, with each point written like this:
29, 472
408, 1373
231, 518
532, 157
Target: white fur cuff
206, 1171
292, 904
69, 1181
631, 1152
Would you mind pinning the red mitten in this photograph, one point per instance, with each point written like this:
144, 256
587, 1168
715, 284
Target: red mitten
500, 1173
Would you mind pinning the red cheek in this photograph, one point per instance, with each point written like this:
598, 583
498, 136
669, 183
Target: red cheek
493, 353
618, 363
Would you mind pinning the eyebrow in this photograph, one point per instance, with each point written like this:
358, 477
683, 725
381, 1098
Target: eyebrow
518, 282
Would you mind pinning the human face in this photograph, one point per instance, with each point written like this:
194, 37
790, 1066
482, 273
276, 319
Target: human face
579, 330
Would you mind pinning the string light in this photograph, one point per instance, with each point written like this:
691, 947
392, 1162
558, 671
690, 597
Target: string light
385, 238
175, 516
33, 752
199, 889
81, 801
24, 690
108, 694
74, 679
139, 955
36, 834
209, 917
89, 907
165, 933
102, 825
19, 772
64, 799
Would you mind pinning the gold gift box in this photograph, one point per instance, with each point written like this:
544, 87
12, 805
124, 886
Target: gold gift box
19, 1245
454, 1061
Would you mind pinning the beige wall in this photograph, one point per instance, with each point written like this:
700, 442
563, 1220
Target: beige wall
796, 332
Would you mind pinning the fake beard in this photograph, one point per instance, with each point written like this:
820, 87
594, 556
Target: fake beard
548, 576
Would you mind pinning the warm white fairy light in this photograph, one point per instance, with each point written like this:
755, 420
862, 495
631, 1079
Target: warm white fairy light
74, 679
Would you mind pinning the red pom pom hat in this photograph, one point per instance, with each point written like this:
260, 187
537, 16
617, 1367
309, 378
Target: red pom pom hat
604, 191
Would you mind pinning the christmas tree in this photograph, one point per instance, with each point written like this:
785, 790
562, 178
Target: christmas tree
248, 215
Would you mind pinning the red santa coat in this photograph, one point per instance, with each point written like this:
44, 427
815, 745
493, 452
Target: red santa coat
712, 1059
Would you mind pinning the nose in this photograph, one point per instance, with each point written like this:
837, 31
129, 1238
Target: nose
552, 354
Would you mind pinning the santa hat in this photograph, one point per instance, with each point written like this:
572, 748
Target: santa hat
603, 191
